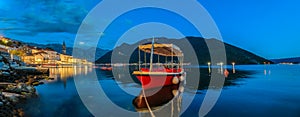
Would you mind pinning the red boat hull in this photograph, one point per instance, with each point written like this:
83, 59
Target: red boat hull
167, 77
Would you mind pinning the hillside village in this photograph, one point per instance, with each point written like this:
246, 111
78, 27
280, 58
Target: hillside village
31, 55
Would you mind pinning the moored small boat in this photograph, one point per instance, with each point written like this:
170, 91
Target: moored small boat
165, 73
106, 68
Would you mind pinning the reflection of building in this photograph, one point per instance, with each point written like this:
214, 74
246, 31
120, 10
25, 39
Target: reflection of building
62, 74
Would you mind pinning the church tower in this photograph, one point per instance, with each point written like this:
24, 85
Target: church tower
64, 49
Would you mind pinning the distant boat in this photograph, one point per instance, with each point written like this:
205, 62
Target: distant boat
166, 73
106, 68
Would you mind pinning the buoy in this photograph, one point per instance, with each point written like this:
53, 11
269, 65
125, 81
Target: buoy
175, 92
181, 78
226, 73
181, 89
175, 80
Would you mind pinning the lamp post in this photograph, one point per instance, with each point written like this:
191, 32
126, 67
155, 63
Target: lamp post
221, 63
233, 67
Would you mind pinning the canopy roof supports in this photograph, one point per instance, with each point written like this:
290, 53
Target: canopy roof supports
162, 49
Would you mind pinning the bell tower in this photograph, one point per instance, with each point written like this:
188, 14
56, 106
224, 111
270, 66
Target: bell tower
64, 49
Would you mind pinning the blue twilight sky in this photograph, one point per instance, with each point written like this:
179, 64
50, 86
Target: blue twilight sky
269, 28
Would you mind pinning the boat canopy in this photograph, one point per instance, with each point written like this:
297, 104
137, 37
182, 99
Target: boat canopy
162, 49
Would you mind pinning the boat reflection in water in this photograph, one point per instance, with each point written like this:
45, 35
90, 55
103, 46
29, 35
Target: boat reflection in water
159, 102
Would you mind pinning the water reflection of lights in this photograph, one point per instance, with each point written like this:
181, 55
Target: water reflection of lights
221, 67
64, 73
267, 70
85, 70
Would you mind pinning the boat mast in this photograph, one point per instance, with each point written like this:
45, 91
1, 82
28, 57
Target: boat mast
158, 58
172, 59
151, 56
139, 58
181, 64
145, 60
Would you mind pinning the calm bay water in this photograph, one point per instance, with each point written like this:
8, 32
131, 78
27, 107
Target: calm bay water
255, 90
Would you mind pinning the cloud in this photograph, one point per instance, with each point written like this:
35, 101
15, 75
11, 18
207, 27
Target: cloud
27, 20
55, 17
43, 15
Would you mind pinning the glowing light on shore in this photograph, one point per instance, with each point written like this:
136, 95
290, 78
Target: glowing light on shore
233, 67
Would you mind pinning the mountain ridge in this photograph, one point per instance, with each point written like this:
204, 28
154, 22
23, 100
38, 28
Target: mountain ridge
199, 44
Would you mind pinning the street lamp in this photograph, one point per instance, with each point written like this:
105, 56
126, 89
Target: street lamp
221, 63
233, 67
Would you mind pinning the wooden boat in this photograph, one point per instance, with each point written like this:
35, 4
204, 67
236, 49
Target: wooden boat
166, 73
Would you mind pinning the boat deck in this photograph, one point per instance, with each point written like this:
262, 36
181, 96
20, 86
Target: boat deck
145, 71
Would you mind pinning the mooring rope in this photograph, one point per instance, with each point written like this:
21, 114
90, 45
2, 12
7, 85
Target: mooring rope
148, 106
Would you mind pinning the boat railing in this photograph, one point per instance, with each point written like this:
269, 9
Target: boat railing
163, 64
173, 67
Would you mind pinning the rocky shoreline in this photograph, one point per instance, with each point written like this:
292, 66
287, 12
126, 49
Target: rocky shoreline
15, 89
10, 98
